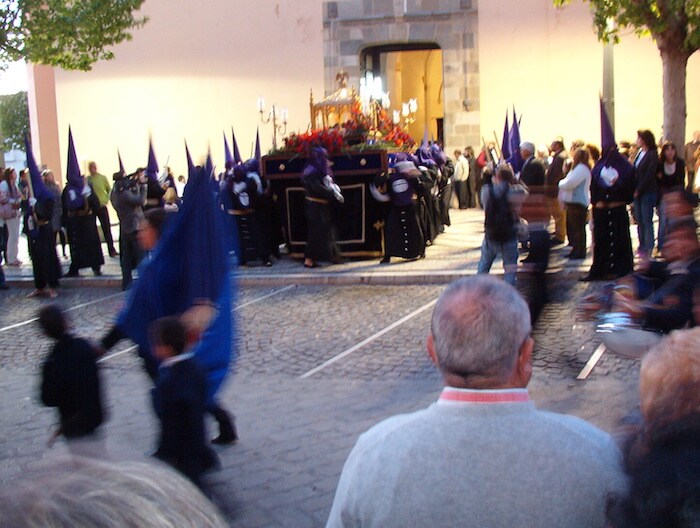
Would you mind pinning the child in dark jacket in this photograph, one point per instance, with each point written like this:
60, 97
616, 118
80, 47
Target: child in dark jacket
180, 398
70, 381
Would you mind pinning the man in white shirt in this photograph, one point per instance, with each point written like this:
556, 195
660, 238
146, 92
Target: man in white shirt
482, 455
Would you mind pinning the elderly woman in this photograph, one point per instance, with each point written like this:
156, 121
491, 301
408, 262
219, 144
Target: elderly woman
663, 457
10, 214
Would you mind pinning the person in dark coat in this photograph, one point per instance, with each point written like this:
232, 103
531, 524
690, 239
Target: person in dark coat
404, 237
70, 381
180, 398
646, 165
320, 192
81, 226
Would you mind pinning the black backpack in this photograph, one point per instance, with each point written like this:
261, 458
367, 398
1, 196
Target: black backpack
500, 219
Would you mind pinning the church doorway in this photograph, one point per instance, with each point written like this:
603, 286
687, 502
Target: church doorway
411, 75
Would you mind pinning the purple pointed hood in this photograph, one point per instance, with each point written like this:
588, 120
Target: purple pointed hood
236, 153
228, 158
438, 155
258, 153
39, 189
505, 142
152, 167
74, 180
121, 164
607, 135
319, 161
190, 165
515, 160
424, 157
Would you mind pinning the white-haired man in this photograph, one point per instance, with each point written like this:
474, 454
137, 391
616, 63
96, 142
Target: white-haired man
482, 455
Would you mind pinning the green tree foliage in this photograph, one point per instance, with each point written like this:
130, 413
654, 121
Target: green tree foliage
675, 27
71, 34
14, 119
674, 23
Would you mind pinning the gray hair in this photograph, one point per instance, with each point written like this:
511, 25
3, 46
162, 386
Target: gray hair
529, 147
82, 493
479, 325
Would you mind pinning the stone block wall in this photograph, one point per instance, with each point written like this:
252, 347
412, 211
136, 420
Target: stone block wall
352, 25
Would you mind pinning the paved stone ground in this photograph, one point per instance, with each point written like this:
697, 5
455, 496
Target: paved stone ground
296, 432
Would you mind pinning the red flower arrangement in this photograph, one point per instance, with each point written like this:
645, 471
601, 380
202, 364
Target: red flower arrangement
387, 134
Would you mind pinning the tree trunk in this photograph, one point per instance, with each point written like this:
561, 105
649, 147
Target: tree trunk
674, 62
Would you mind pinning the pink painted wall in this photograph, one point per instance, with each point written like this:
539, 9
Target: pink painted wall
191, 73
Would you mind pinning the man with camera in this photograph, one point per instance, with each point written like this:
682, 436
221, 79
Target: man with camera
128, 199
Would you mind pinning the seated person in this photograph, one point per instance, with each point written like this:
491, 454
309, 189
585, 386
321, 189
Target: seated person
662, 291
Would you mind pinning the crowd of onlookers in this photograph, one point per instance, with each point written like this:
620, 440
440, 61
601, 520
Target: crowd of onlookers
481, 455
75, 227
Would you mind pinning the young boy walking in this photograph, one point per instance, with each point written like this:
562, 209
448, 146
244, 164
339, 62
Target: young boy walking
180, 399
70, 381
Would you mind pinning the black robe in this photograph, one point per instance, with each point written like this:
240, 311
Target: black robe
70, 381
404, 236
42, 246
84, 241
320, 231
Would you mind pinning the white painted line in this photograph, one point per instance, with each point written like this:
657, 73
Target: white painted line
134, 347
591, 362
281, 290
103, 359
368, 340
76, 307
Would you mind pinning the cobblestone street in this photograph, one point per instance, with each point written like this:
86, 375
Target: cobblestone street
318, 365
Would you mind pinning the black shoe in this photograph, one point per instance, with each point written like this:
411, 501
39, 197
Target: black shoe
385, 260
97, 272
556, 241
72, 273
113, 253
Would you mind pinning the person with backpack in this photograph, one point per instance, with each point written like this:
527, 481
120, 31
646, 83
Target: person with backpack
499, 200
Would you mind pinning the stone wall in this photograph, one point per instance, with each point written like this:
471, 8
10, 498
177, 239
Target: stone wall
353, 25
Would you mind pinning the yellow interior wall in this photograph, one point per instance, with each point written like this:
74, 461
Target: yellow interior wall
417, 75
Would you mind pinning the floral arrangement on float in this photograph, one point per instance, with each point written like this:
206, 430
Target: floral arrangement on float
346, 122
360, 132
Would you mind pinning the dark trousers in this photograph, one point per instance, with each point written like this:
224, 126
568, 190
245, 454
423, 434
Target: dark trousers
62, 238
576, 216
462, 191
538, 259
3, 241
130, 255
103, 215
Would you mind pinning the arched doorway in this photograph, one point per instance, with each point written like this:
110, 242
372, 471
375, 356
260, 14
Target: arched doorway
410, 71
